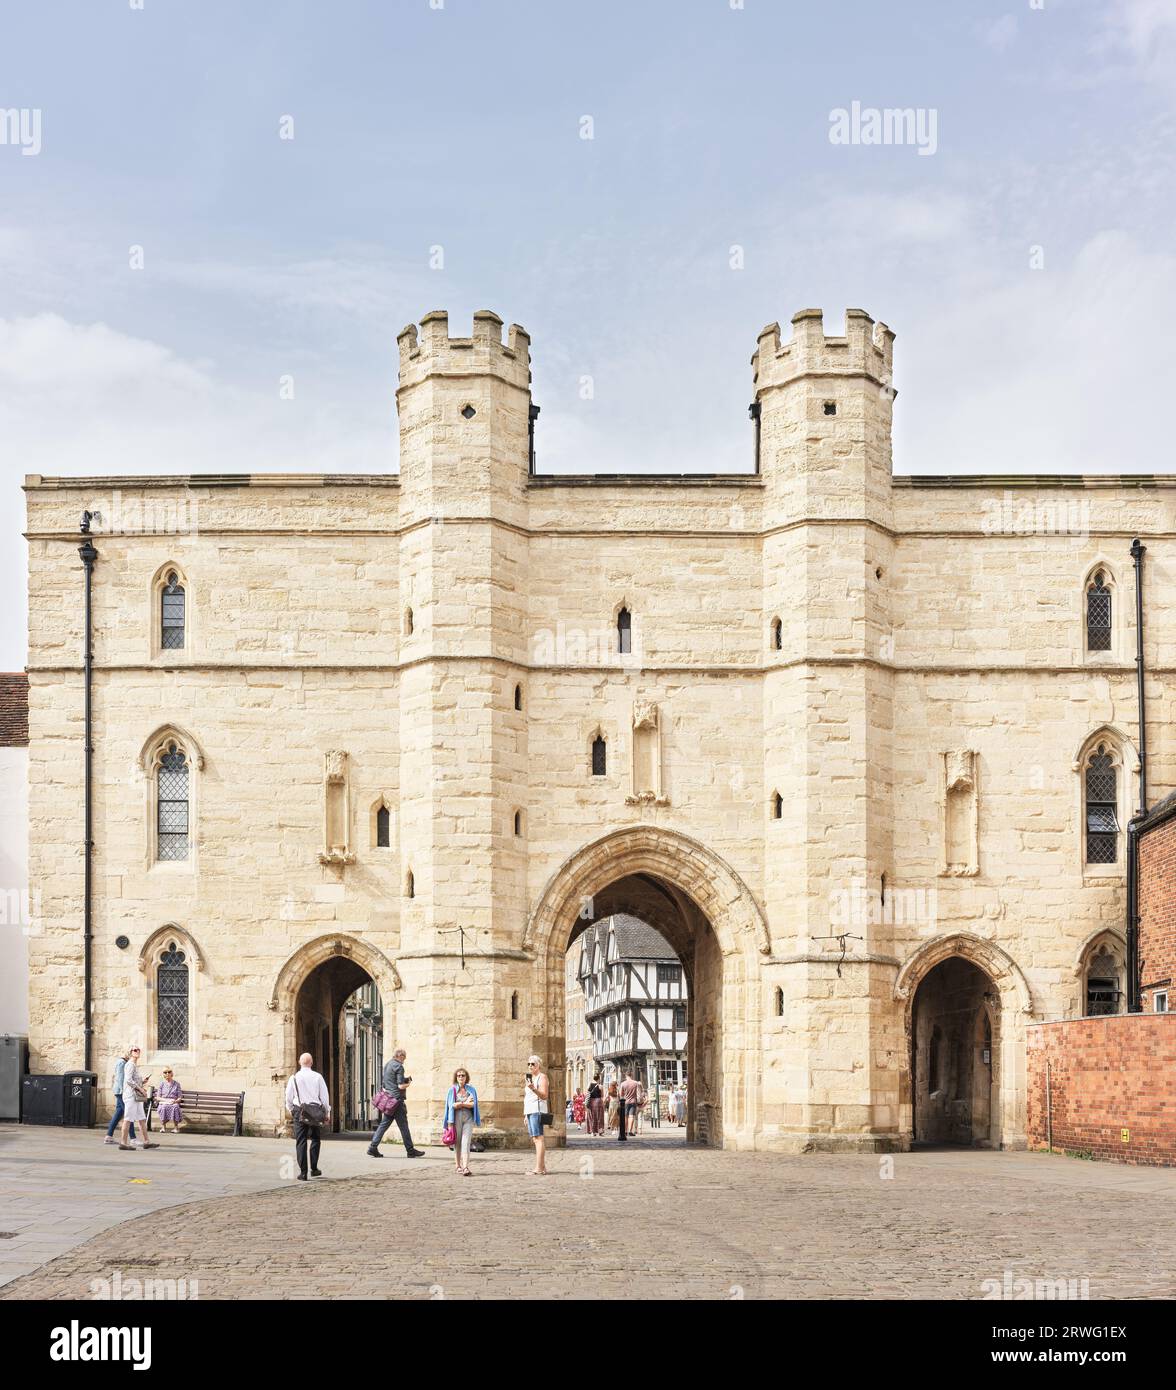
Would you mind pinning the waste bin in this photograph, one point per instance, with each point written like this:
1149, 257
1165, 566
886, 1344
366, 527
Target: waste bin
42, 1100
14, 1062
80, 1097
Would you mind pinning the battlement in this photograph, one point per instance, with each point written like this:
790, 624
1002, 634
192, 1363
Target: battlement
865, 349
432, 352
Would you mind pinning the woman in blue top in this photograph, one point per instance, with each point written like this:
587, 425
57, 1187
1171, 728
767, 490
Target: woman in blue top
461, 1111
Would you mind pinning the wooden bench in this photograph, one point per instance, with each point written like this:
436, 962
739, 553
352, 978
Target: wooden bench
206, 1103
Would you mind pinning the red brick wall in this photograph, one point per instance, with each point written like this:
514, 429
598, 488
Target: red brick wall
1157, 912
1106, 1075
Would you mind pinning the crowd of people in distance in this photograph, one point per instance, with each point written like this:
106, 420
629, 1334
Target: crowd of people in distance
599, 1110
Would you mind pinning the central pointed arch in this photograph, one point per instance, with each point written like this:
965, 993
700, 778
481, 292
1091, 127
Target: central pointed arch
714, 886
708, 915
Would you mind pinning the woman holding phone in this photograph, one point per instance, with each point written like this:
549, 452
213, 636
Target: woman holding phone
537, 1111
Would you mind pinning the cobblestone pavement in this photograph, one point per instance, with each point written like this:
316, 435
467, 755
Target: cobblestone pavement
655, 1218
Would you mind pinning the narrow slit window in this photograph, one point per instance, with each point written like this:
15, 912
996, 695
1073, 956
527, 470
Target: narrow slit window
514, 1006
777, 635
599, 756
172, 615
383, 828
410, 886
518, 822
518, 697
624, 632
777, 807
1098, 615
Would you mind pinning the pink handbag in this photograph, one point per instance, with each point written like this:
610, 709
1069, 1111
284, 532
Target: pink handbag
385, 1102
449, 1133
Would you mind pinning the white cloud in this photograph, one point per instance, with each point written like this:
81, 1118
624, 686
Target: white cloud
1000, 33
1062, 371
1142, 33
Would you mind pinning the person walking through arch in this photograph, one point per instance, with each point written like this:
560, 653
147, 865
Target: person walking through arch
395, 1084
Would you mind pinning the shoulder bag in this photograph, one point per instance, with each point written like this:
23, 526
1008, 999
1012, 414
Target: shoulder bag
310, 1112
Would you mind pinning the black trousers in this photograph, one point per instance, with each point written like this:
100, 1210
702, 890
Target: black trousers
302, 1132
400, 1120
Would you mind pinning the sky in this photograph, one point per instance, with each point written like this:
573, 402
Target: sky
208, 199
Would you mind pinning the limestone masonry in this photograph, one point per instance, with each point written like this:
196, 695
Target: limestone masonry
867, 762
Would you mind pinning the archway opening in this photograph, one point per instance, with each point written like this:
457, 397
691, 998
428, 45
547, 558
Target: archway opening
338, 1019
663, 987
627, 1017
955, 1043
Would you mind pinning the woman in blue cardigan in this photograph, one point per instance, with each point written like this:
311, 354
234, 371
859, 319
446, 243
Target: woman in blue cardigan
461, 1111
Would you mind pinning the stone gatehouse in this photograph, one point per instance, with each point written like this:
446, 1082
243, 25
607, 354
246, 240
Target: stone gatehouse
862, 748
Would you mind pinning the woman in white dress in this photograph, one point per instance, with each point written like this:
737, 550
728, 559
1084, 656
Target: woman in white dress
134, 1096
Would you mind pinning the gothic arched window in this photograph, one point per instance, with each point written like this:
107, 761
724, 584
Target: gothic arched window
1101, 789
171, 996
383, 828
171, 614
172, 805
624, 632
599, 756
1098, 614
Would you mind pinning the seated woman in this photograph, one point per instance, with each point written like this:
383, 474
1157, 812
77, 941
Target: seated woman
167, 1103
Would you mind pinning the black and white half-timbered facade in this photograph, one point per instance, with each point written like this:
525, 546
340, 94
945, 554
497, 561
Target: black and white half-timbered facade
634, 1001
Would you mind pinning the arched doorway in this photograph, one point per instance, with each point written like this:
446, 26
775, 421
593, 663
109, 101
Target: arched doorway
716, 929
956, 1017
336, 995
966, 1005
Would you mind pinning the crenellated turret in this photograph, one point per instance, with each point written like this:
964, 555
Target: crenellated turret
866, 349
432, 352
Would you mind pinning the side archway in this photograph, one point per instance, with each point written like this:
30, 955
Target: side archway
323, 994
979, 978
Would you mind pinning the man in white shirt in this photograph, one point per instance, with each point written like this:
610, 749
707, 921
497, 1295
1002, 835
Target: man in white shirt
306, 1088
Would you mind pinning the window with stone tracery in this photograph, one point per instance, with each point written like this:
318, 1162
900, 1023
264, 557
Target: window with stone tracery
1101, 791
1098, 614
172, 805
171, 1000
172, 614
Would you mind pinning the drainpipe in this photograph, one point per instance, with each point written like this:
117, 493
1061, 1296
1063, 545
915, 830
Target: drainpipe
88, 557
753, 413
1137, 553
532, 416
1133, 1000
